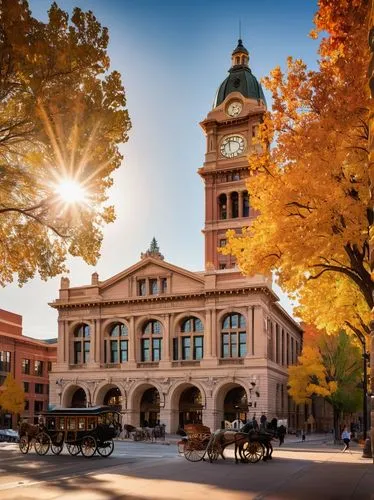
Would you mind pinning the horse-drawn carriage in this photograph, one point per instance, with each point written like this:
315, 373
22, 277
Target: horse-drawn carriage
251, 445
82, 430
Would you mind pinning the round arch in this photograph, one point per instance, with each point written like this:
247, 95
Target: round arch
146, 407
187, 402
231, 401
185, 315
102, 391
140, 322
105, 326
231, 310
72, 326
74, 393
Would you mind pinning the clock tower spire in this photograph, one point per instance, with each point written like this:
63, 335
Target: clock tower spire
229, 128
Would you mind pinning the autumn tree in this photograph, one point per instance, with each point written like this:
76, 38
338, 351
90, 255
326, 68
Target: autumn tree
12, 396
330, 366
62, 119
311, 180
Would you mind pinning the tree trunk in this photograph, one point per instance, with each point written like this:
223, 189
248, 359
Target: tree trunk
336, 425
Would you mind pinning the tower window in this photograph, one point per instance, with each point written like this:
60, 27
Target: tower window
234, 205
237, 60
245, 204
222, 206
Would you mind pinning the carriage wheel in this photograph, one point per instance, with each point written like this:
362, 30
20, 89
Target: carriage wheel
253, 452
106, 448
24, 444
88, 446
73, 449
56, 449
194, 451
42, 443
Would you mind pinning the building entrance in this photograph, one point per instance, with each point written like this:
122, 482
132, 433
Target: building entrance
113, 398
150, 408
190, 407
236, 405
79, 399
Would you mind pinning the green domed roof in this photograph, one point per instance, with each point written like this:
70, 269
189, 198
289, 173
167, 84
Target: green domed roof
240, 79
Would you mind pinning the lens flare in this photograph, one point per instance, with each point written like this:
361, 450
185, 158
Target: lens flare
70, 191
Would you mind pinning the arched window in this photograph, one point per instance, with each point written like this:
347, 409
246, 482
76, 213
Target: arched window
81, 344
116, 344
190, 341
237, 60
233, 336
151, 341
245, 204
222, 206
234, 205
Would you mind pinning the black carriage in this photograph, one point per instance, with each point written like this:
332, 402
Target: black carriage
82, 430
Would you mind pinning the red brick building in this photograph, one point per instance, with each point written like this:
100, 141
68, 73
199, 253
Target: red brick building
30, 361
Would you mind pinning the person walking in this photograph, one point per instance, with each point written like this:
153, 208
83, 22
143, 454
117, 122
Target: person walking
346, 437
281, 433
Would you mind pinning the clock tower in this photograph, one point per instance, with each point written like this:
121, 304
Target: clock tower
229, 127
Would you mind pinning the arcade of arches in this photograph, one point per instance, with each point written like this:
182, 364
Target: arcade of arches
185, 405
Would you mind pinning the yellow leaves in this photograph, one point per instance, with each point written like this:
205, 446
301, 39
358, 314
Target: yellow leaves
66, 119
310, 187
12, 396
329, 366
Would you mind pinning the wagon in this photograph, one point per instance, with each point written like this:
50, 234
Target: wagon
200, 443
82, 430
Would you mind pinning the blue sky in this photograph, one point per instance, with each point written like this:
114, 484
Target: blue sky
172, 57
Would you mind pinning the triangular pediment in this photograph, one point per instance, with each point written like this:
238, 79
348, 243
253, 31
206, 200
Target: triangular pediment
125, 283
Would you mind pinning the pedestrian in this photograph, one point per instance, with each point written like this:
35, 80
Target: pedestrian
263, 422
254, 423
303, 436
281, 433
346, 437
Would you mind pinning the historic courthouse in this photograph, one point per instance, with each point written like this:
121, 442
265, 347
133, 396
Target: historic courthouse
162, 343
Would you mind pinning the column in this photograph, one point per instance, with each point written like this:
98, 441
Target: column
99, 358
67, 343
165, 353
250, 331
208, 334
132, 340
93, 337
214, 333
240, 201
229, 206
61, 342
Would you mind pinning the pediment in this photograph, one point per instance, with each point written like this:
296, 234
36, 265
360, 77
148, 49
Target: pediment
124, 284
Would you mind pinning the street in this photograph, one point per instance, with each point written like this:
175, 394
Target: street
154, 471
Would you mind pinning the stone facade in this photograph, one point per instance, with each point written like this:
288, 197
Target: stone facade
162, 343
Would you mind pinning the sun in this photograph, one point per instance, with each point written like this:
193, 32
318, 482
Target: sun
71, 191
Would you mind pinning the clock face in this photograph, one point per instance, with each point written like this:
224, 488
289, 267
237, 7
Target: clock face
234, 108
232, 145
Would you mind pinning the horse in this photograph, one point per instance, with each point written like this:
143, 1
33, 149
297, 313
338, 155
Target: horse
27, 430
264, 437
223, 438
128, 430
158, 431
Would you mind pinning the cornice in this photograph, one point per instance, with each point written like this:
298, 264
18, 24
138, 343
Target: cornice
161, 298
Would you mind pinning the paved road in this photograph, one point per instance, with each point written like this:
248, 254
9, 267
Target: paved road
139, 471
